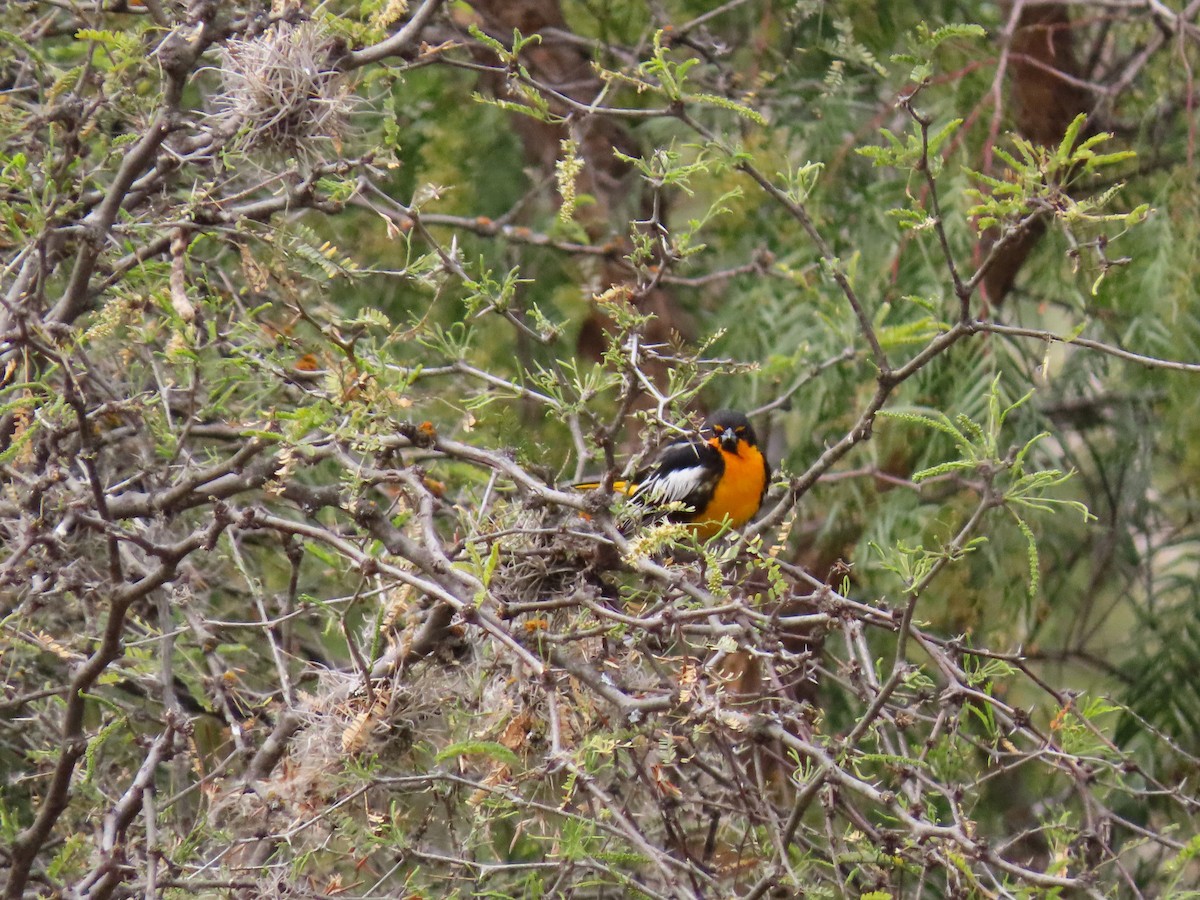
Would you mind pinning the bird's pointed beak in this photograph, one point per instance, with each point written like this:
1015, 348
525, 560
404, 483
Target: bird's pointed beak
729, 440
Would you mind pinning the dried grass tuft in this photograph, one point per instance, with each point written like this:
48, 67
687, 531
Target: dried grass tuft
280, 93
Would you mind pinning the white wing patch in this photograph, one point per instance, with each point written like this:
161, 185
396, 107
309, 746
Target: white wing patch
674, 486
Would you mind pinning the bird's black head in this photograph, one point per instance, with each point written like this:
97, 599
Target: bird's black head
728, 427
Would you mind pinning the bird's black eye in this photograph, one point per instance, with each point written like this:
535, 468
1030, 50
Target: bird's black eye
741, 429
718, 429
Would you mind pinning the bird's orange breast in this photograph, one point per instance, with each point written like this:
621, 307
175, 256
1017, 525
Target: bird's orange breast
739, 492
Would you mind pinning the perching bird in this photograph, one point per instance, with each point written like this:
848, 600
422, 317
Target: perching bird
719, 477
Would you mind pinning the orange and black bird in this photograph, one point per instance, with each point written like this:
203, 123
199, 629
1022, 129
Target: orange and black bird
718, 477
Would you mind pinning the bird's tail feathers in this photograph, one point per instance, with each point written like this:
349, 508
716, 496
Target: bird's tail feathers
619, 487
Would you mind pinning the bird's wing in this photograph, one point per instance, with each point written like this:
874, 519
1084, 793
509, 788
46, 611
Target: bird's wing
686, 472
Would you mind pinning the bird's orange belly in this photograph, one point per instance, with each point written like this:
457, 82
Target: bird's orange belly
737, 495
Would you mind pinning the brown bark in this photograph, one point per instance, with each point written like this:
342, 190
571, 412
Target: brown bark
566, 67
1042, 60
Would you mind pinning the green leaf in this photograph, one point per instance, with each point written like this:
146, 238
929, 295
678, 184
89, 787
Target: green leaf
490, 749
